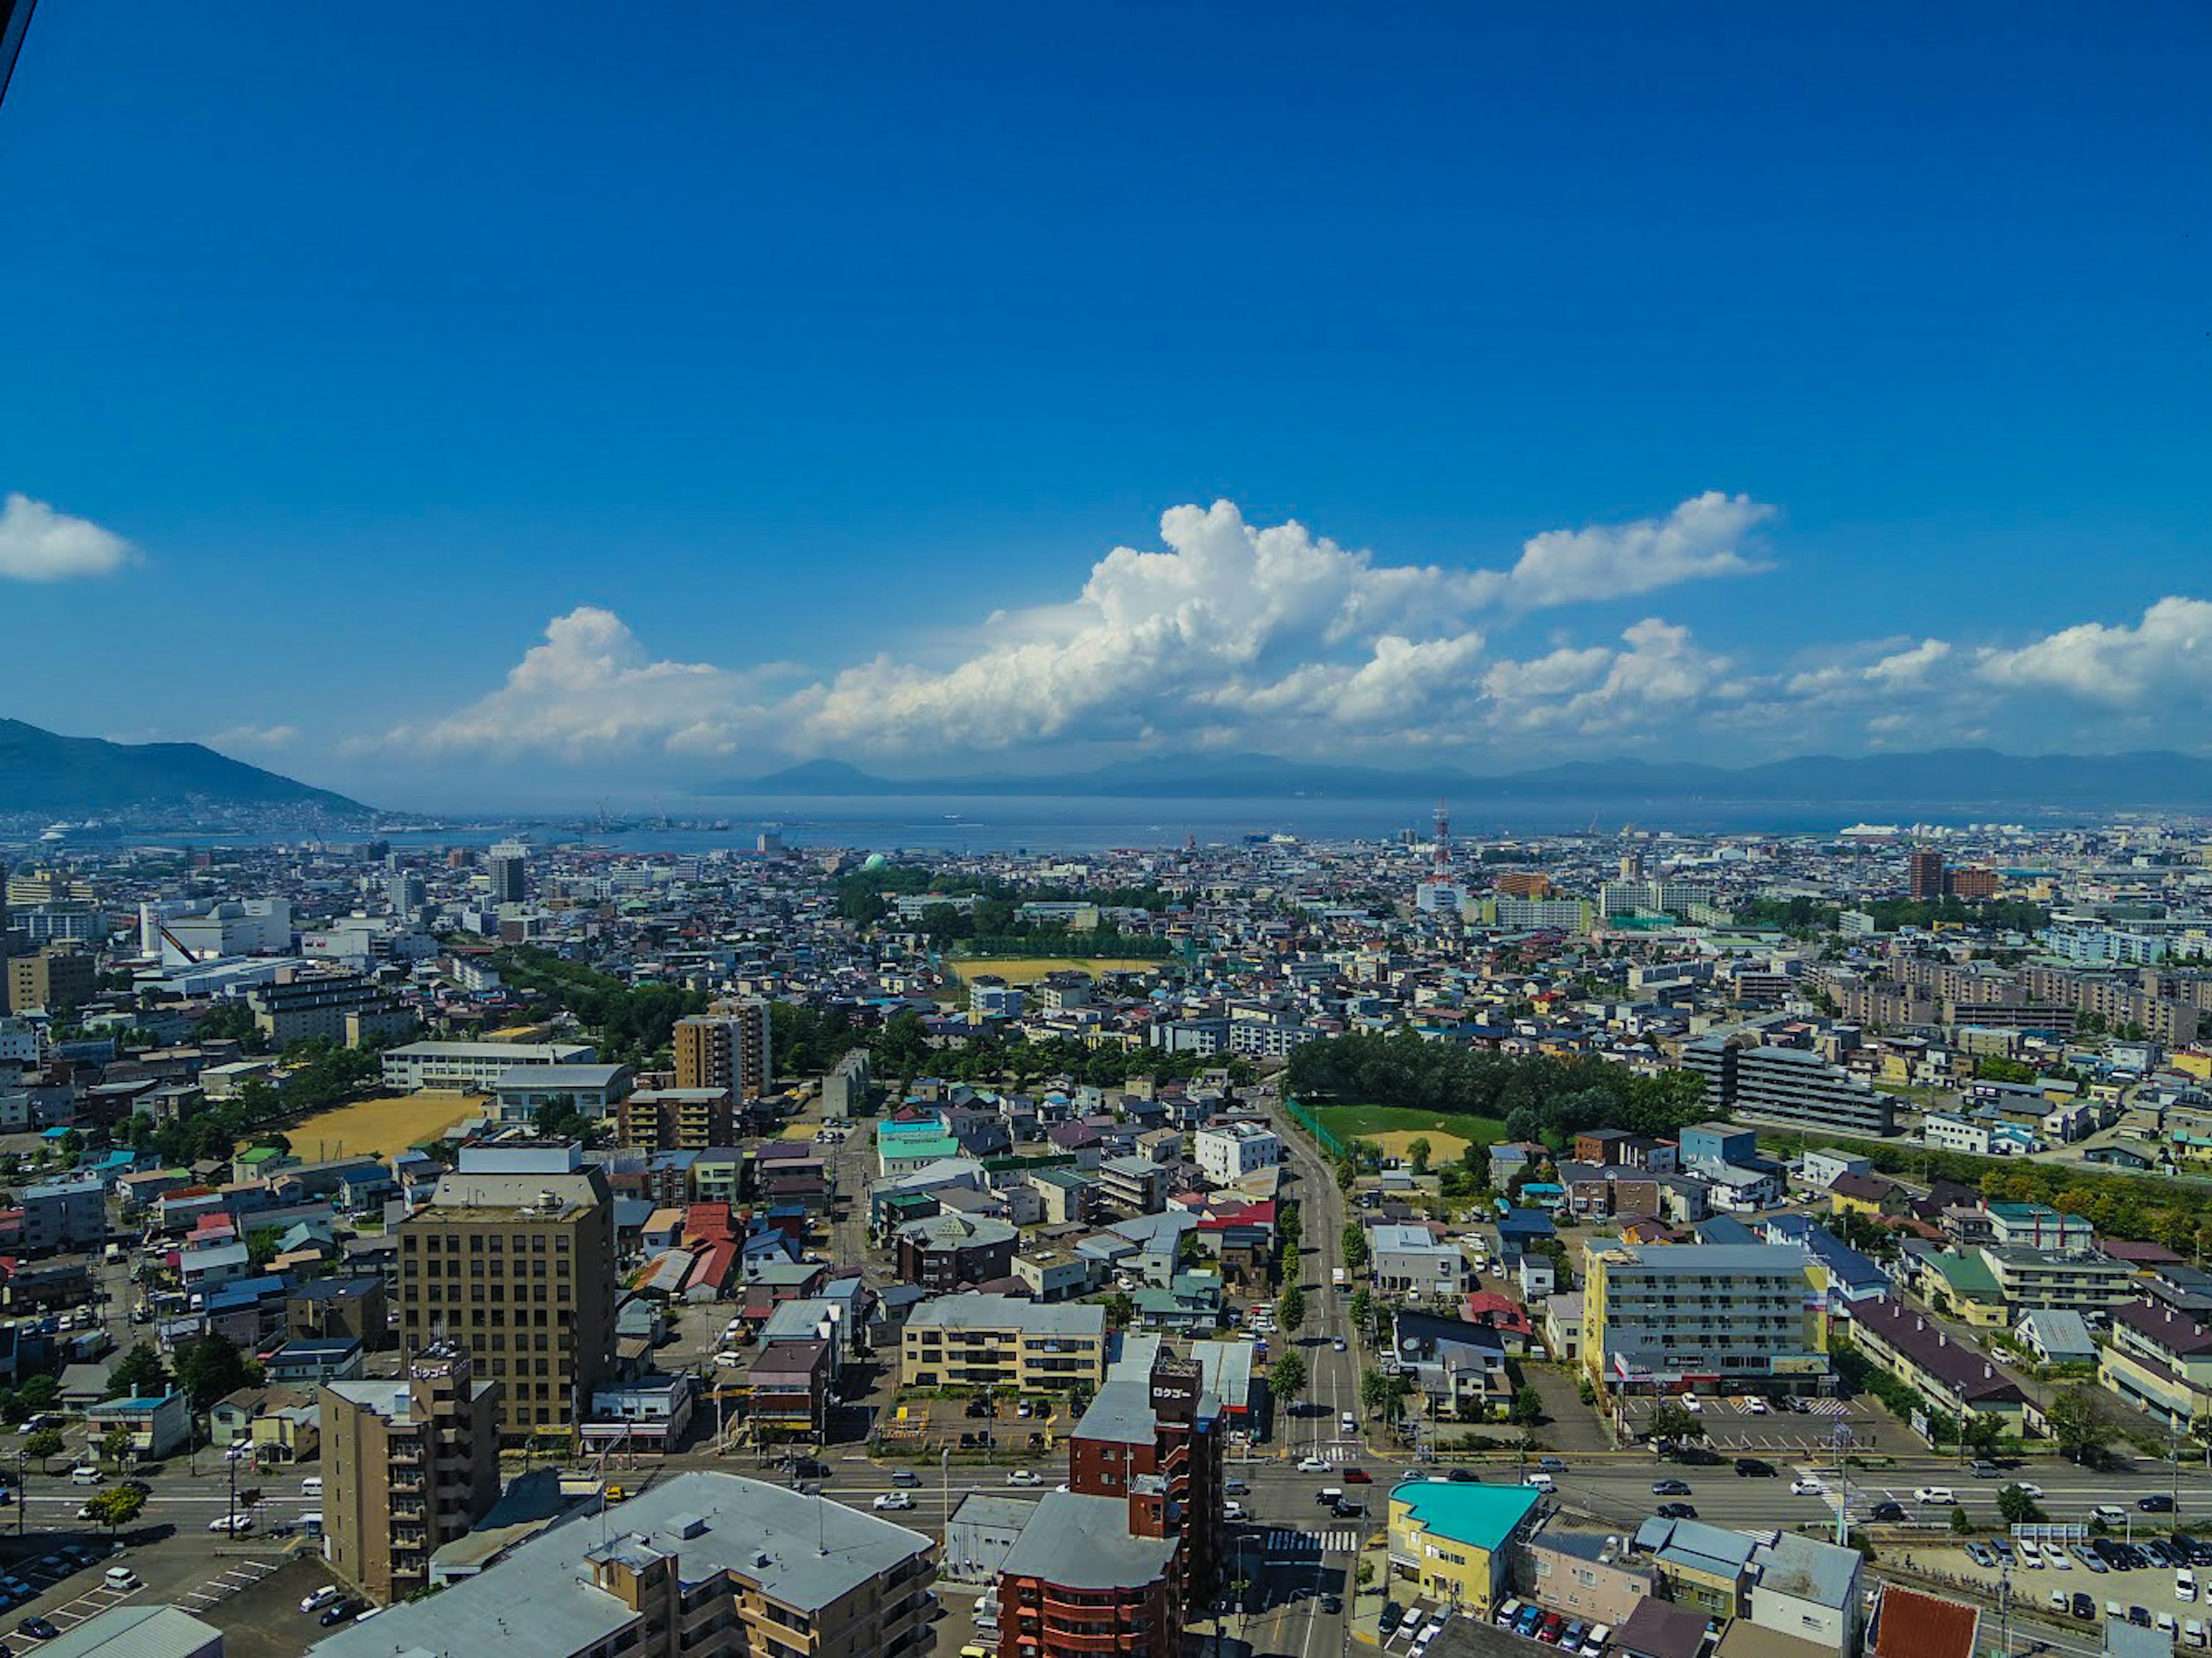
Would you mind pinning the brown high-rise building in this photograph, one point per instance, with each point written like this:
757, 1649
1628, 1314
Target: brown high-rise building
1130, 1547
514, 1259
59, 978
1973, 883
1525, 883
727, 1047
676, 1119
1924, 872
409, 1466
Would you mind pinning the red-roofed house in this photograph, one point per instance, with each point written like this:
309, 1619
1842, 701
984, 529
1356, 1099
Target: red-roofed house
1504, 1314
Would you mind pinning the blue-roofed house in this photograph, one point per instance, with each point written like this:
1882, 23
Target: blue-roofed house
1727, 1228
2057, 1336
1707, 1567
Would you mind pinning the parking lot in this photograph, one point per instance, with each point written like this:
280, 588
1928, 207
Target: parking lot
1731, 1423
2116, 1591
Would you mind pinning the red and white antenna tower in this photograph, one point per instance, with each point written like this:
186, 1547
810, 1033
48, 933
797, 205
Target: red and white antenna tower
1444, 839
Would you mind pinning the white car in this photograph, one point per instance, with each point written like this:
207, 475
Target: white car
238, 1453
1754, 1405
1336, 1345
1313, 1464
1936, 1494
894, 1500
121, 1579
321, 1598
232, 1522
1807, 1485
729, 1356
1232, 1510
2026, 1488
1024, 1476
1693, 1405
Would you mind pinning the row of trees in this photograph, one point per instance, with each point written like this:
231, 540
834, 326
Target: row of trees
631, 1023
322, 1074
1536, 1098
864, 896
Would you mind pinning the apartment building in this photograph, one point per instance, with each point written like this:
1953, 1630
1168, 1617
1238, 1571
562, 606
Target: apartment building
1747, 1079
702, 1565
1735, 1317
1153, 1439
348, 1008
727, 1046
514, 1257
1952, 1378
472, 1067
408, 1465
676, 1119
845, 1090
1228, 1152
59, 978
1136, 1186
1003, 1341
2064, 1280
2160, 1359
942, 1252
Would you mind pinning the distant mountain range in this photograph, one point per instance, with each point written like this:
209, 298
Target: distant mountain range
1939, 777
43, 774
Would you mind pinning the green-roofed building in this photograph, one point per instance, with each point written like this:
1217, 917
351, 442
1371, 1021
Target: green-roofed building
1452, 1540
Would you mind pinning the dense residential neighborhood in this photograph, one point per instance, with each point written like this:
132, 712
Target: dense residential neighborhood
1263, 1232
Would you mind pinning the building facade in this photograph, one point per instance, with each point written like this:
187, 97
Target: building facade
409, 1466
513, 1257
1731, 1317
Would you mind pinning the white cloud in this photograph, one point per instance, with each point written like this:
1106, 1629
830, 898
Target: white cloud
1898, 667
2168, 654
38, 543
592, 687
1700, 538
255, 736
1226, 631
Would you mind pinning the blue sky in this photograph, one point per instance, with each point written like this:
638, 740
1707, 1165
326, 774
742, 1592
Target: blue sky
449, 404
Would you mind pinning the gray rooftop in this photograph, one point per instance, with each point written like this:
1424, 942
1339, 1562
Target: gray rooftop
1807, 1569
1122, 1412
541, 1597
1081, 1542
1718, 1259
134, 1632
972, 1312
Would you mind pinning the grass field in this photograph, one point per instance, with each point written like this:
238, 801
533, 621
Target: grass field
383, 1125
1027, 969
1393, 1126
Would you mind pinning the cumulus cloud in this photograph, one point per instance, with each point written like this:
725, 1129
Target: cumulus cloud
1702, 538
1895, 666
591, 687
38, 543
1225, 631
255, 736
1658, 680
2168, 653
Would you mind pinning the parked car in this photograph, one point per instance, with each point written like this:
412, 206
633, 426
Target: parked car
340, 1612
2085, 1608
321, 1598
1980, 1555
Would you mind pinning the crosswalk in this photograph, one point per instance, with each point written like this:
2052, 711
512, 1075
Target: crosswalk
1341, 1451
1287, 1540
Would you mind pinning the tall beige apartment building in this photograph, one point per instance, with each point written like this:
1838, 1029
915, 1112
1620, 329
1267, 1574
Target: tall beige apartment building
407, 1465
727, 1047
514, 1259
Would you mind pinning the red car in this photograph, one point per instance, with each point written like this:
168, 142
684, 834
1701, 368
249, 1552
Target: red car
1355, 1476
1549, 1633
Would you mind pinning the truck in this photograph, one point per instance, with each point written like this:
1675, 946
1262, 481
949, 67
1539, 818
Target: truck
1338, 1277
580, 1484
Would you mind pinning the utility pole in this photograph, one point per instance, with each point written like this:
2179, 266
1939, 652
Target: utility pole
1840, 1437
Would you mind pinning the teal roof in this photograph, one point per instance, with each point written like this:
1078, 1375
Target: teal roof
1481, 1516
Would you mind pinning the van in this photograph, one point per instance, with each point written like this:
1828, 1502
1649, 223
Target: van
1348, 1422
905, 1477
1507, 1613
84, 1474
312, 1485
121, 1579
1542, 1481
2029, 1554
1330, 1495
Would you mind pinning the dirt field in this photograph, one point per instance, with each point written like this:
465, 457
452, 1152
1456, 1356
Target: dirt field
1442, 1147
384, 1126
1027, 969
